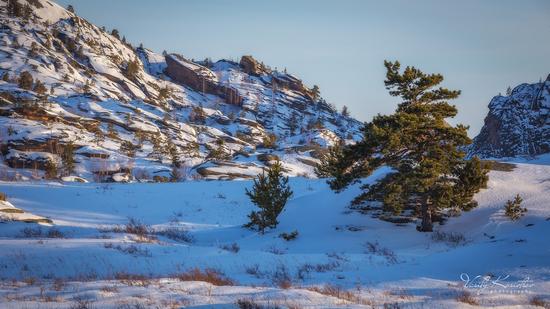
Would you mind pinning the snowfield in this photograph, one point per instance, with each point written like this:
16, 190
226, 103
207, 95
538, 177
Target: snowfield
340, 258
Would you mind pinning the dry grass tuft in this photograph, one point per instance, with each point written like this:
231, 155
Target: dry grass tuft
467, 298
210, 275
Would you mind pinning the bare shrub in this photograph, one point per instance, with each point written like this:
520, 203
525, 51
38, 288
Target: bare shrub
176, 234
143, 232
58, 284
81, 302
467, 298
109, 289
131, 249
255, 271
376, 249
133, 279
210, 275
338, 292
234, 247
539, 301
452, 239
3, 196
281, 277
289, 236
37, 232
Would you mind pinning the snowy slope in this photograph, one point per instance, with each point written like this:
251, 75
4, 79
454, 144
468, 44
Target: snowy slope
378, 262
95, 99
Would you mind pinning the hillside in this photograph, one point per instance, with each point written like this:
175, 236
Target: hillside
517, 124
125, 113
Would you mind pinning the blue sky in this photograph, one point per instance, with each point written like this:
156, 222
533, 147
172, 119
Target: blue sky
481, 47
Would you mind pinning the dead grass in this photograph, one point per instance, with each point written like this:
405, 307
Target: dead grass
234, 247
539, 301
450, 238
141, 231
38, 232
131, 249
376, 249
176, 234
338, 292
467, 298
210, 275
133, 279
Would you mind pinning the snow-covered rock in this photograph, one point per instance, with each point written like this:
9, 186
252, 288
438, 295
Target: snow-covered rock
517, 124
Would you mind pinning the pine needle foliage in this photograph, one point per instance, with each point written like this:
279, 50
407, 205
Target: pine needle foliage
270, 193
429, 171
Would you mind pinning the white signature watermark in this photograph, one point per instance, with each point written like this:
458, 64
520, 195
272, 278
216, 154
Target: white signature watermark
497, 284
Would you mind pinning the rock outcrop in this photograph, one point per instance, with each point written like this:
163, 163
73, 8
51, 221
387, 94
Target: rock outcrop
199, 78
251, 66
517, 124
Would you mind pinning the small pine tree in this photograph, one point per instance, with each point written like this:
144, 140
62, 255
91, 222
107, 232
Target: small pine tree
99, 137
270, 141
39, 87
508, 91
14, 8
132, 69
25, 80
70, 8
68, 158
316, 92
50, 170
111, 131
6, 77
270, 193
513, 209
345, 111
115, 33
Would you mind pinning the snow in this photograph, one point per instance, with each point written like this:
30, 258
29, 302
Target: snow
332, 241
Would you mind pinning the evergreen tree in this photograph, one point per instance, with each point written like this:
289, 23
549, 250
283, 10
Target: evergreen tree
115, 33
111, 131
14, 8
50, 170
70, 8
6, 77
316, 92
67, 158
345, 111
513, 209
25, 80
429, 169
39, 87
132, 69
270, 193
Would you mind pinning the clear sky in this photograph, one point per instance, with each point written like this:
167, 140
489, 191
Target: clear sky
481, 47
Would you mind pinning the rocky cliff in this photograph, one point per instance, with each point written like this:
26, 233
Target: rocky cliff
517, 124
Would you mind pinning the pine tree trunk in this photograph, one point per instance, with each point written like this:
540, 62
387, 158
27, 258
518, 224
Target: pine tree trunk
426, 225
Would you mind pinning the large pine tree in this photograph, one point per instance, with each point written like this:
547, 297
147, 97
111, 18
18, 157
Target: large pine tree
429, 168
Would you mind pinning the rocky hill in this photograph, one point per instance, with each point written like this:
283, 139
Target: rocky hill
518, 124
80, 103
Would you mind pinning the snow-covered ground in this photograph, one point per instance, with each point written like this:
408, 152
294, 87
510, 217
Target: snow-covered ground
340, 257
